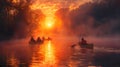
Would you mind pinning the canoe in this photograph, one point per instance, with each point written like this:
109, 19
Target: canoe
89, 46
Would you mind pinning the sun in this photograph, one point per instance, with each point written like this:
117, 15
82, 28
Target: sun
49, 22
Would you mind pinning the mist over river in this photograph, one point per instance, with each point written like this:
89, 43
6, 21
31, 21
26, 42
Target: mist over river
59, 53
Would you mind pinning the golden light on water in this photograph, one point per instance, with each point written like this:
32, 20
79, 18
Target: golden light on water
44, 55
46, 28
13, 61
49, 54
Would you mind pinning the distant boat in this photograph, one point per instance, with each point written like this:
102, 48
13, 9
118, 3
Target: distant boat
38, 41
90, 46
84, 44
32, 41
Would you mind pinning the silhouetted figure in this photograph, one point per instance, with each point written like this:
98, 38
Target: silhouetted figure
83, 41
43, 38
84, 44
39, 40
32, 41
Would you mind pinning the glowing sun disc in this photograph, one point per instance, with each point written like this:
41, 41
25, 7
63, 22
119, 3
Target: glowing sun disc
49, 25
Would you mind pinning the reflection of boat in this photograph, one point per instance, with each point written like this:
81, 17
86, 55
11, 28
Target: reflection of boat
84, 44
38, 41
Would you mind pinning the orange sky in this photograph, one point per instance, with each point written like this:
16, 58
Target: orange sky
49, 7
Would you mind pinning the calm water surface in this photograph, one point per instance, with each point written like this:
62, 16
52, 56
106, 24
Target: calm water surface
55, 54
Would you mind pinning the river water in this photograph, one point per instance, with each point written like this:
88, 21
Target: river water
19, 53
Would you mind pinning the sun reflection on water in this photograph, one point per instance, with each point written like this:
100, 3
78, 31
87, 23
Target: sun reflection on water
49, 54
43, 55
